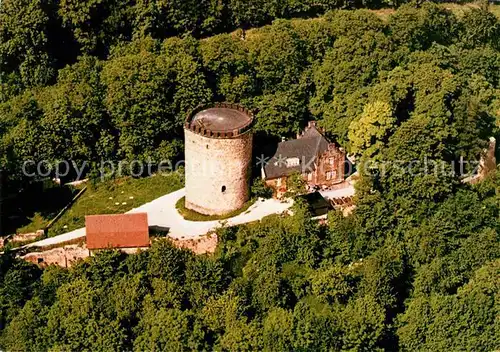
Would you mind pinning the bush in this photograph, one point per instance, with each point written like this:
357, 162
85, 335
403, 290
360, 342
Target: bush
259, 189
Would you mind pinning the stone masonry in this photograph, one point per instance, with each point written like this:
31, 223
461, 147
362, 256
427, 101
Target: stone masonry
218, 162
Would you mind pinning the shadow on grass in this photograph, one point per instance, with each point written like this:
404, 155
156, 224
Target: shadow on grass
32, 208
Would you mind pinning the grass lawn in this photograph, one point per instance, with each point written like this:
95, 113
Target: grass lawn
495, 9
192, 215
115, 196
37, 222
457, 9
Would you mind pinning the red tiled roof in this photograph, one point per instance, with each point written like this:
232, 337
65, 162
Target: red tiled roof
117, 231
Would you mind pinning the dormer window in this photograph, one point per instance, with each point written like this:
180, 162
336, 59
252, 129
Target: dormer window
291, 162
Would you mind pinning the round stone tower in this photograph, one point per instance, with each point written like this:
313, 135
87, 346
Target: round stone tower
218, 148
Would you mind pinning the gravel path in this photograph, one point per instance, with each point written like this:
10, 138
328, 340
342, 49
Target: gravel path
68, 236
162, 212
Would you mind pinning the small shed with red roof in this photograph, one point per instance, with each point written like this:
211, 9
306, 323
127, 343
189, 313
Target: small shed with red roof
121, 231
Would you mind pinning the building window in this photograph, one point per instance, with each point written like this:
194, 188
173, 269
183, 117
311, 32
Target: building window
330, 175
223, 189
291, 162
331, 161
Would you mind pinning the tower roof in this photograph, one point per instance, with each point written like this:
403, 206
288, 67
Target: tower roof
221, 120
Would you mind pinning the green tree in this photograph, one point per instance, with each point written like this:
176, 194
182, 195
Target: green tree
205, 277
75, 124
162, 19
278, 330
316, 327
277, 55
333, 284
166, 329
242, 336
447, 273
249, 13
96, 24
166, 262
21, 137
148, 97
229, 72
418, 27
368, 134
282, 113
27, 330
480, 27
220, 312
465, 320
260, 189
80, 319
363, 324
295, 185
19, 281
24, 41
343, 78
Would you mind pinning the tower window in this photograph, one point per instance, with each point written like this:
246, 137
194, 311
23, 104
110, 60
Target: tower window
223, 189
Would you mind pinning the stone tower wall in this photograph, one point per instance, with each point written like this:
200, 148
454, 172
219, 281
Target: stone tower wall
217, 172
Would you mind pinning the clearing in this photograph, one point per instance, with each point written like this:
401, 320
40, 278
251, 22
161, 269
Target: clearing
108, 197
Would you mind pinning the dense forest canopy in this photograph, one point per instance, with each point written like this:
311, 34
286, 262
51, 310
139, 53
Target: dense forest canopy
414, 267
430, 282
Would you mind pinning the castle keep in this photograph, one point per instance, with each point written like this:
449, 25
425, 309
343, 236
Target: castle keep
218, 152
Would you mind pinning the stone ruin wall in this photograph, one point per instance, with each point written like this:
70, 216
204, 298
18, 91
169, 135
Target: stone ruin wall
200, 245
217, 172
65, 256
68, 255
